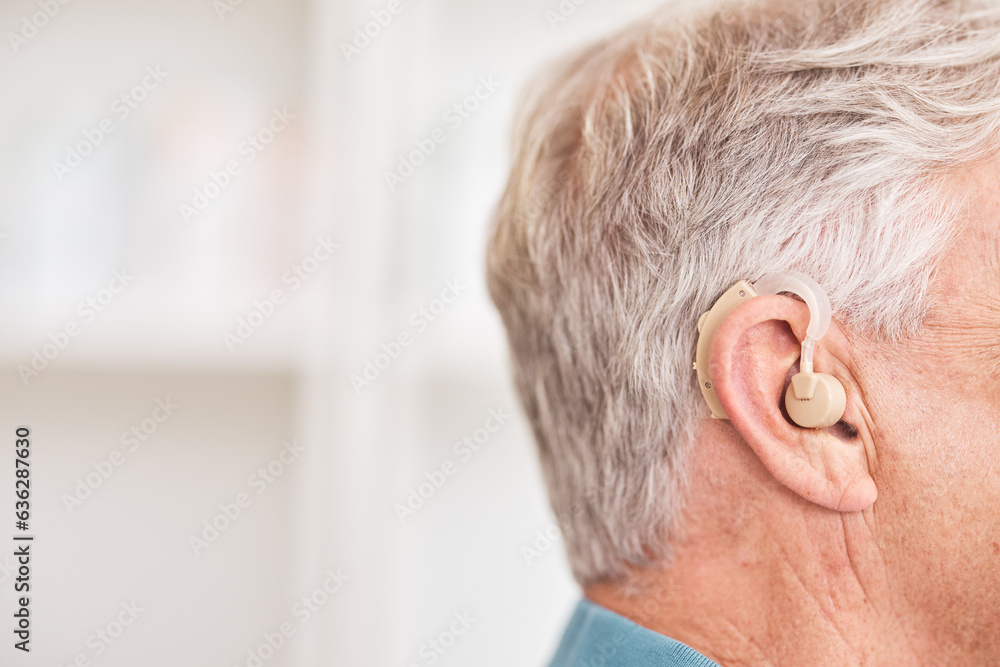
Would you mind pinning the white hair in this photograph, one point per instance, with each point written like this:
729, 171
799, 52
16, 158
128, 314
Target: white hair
659, 166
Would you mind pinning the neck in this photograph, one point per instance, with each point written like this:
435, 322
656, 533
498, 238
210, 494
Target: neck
763, 607
775, 582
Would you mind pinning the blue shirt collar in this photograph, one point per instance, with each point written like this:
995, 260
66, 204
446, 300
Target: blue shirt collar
597, 637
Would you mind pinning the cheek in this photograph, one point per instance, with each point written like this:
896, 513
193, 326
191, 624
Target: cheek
959, 423
950, 436
935, 413
939, 486
932, 435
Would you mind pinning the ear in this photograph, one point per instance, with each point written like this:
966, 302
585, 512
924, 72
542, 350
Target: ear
753, 352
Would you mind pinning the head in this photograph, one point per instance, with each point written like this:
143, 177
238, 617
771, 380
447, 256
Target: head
853, 141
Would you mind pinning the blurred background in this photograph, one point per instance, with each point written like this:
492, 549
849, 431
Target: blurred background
245, 319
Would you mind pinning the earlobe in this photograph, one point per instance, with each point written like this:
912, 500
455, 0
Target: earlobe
751, 354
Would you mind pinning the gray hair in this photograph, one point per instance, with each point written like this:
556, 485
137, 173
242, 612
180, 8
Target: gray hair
695, 148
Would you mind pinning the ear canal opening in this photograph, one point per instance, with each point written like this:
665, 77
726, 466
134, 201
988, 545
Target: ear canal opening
845, 431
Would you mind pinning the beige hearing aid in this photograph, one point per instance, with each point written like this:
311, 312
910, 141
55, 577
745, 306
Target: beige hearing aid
813, 400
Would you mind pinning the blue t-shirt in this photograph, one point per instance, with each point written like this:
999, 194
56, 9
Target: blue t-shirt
597, 637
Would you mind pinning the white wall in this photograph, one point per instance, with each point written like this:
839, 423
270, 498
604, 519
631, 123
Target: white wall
125, 537
464, 550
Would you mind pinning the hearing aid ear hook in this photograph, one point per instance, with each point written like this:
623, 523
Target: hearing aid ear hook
813, 400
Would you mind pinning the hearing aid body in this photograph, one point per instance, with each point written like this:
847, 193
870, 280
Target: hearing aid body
812, 400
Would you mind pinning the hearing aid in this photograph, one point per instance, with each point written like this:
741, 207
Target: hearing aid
812, 400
